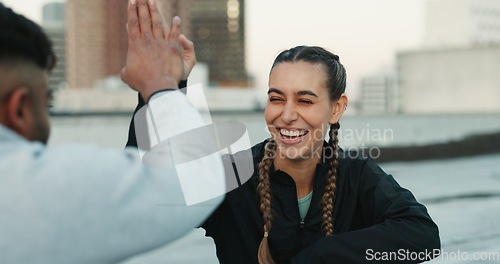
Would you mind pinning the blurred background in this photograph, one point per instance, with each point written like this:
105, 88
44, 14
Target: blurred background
423, 88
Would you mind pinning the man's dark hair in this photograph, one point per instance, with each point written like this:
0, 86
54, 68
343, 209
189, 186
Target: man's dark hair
23, 40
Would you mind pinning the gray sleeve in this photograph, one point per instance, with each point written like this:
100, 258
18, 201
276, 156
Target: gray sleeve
82, 204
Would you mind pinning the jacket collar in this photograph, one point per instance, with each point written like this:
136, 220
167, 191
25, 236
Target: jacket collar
7, 135
282, 177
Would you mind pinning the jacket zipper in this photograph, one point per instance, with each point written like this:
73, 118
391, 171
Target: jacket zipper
299, 236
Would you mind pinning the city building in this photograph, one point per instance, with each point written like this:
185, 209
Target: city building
54, 26
452, 23
377, 95
218, 28
53, 13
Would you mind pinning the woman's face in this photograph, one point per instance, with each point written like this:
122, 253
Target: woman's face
299, 111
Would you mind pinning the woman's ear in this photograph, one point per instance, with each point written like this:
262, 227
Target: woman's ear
19, 114
339, 108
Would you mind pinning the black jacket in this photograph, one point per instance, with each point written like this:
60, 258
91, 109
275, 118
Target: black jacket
371, 211
132, 141
373, 217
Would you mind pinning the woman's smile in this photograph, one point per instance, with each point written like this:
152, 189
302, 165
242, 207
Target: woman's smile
292, 136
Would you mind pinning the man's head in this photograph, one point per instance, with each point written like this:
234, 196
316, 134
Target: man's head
26, 57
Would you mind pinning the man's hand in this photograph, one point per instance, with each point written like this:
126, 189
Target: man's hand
154, 59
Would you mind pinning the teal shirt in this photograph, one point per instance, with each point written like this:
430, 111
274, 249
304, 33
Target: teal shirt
304, 205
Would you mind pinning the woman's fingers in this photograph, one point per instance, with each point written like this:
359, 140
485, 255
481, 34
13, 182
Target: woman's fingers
174, 32
186, 44
188, 57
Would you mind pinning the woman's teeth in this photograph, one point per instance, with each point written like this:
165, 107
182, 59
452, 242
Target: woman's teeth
292, 133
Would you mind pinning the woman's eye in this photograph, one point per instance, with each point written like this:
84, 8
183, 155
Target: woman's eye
305, 101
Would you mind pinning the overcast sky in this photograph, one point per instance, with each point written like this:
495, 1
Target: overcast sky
366, 34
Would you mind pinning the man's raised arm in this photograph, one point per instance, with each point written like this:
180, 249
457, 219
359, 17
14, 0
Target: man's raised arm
81, 204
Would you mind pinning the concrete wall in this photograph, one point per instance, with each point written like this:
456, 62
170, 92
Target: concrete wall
449, 81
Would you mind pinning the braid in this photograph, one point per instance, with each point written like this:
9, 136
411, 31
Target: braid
264, 191
330, 187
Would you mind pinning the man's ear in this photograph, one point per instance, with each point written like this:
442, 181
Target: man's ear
19, 112
339, 108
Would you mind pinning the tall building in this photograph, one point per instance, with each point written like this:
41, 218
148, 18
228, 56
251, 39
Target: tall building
459, 23
181, 8
97, 38
377, 95
53, 13
54, 26
218, 31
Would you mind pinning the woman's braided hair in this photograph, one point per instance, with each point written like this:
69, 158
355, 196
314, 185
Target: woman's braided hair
336, 84
330, 187
264, 191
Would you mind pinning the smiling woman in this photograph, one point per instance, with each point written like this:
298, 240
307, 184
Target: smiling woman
299, 110
308, 201
306, 96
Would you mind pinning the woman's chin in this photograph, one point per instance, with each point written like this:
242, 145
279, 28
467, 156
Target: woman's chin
294, 152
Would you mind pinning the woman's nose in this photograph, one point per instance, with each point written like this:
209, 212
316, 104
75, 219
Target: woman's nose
289, 113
